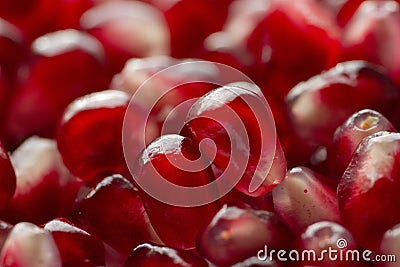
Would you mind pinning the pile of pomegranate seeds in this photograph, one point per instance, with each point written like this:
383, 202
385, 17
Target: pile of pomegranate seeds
199, 133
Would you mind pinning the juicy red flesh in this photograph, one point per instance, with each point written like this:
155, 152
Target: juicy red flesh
7, 178
221, 239
164, 159
148, 255
306, 33
347, 137
324, 235
373, 34
127, 29
368, 189
67, 65
318, 106
250, 128
124, 227
27, 245
155, 86
187, 26
45, 189
304, 198
90, 134
76, 247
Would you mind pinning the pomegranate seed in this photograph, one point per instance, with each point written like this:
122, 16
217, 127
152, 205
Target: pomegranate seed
234, 115
45, 188
256, 262
187, 25
368, 189
163, 83
390, 245
351, 132
176, 159
303, 198
148, 255
7, 178
70, 61
221, 240
76, 247
327, 235
318, 106
373, 34
127, 29
29, 246
306, 33
264, 202
90, 134
122, 228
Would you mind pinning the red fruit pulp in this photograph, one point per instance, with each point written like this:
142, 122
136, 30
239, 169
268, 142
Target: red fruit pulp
122, 228
89, 135
347, 137
303, 198
67, 65
373, 34
367, 192
76, 247
45, 188
319, 105
306, 33
177, 160
236, 233
244, 144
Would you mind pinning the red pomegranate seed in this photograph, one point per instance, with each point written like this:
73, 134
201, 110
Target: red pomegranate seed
306, 33
235, 234
161, 83
390, 246
175, 159
76, 247
124, 227
29, 246
348, 135
148, 255
241, 128
373, 34
303, 198
7, 178
45, 188
187, 26
326, 235
90, 134
318, 106
127, 29
368, 190
70, 61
